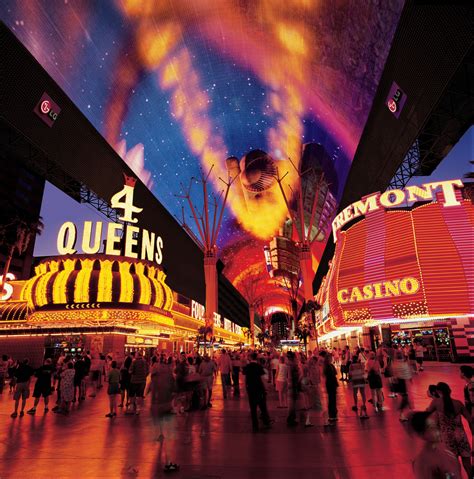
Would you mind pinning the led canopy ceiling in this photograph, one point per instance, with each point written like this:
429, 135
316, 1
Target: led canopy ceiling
177, 85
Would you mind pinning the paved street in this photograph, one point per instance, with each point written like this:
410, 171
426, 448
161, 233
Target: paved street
218, 443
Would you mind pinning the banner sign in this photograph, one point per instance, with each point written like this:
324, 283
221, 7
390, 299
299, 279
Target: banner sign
121, 239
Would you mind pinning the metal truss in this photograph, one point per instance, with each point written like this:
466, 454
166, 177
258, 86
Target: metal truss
16, 146
408, 168
102, 206
447, 123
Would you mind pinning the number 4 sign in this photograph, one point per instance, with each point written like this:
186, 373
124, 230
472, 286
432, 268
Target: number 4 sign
126, 194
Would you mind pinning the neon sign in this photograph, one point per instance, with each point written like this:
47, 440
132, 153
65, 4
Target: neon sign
385, 289
121, 240
394, 198
198, 311
7, 292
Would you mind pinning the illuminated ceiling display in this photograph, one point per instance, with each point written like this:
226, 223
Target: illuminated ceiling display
178, 85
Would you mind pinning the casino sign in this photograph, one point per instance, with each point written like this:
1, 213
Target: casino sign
402, 264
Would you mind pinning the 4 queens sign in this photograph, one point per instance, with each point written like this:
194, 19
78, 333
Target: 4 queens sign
121, 239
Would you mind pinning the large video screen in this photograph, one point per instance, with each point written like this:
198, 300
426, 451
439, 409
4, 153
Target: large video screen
178, 86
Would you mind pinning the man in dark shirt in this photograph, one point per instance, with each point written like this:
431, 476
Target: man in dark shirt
23, 375
256, 391
80, 367
138, 374
43, 385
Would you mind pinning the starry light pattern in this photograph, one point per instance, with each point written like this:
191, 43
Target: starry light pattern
176, 85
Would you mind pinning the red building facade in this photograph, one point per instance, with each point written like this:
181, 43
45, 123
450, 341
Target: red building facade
397, 266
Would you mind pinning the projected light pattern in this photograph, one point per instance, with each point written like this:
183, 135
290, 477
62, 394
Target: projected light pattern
176, 85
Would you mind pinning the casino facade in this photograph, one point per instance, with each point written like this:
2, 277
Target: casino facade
110, 304
404, 273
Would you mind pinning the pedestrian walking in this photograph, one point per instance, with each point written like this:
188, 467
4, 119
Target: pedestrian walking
256, 392
80, 367
236, 367
330, 375
419, 355
138, 374
314, 388
207, 370
113, 389
294, 387
161, 388
22, 375
125, 380
374, 377
225, 367
3, 371
357, 378
402, 373
95, 373
434, 460
282, 382
43, 385
274, 366
449, 413
67, 386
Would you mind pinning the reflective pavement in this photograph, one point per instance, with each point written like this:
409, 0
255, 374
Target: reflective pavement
217, 443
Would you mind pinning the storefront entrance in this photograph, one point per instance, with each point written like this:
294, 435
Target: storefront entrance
72, 345
438, 341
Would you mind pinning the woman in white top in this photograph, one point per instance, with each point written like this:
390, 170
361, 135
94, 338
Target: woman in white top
282, 382
274, 366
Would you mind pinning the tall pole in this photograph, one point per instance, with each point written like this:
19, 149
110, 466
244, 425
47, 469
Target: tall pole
208, 232
304, 235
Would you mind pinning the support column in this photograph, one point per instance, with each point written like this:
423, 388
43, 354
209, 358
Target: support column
354, 340
366, 337
306, 272
210, 276
252, 325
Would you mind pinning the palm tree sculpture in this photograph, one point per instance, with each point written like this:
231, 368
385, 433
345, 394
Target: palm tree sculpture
303, 333
249, 284
16, 236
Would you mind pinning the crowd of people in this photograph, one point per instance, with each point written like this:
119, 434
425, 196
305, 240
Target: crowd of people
179, 382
